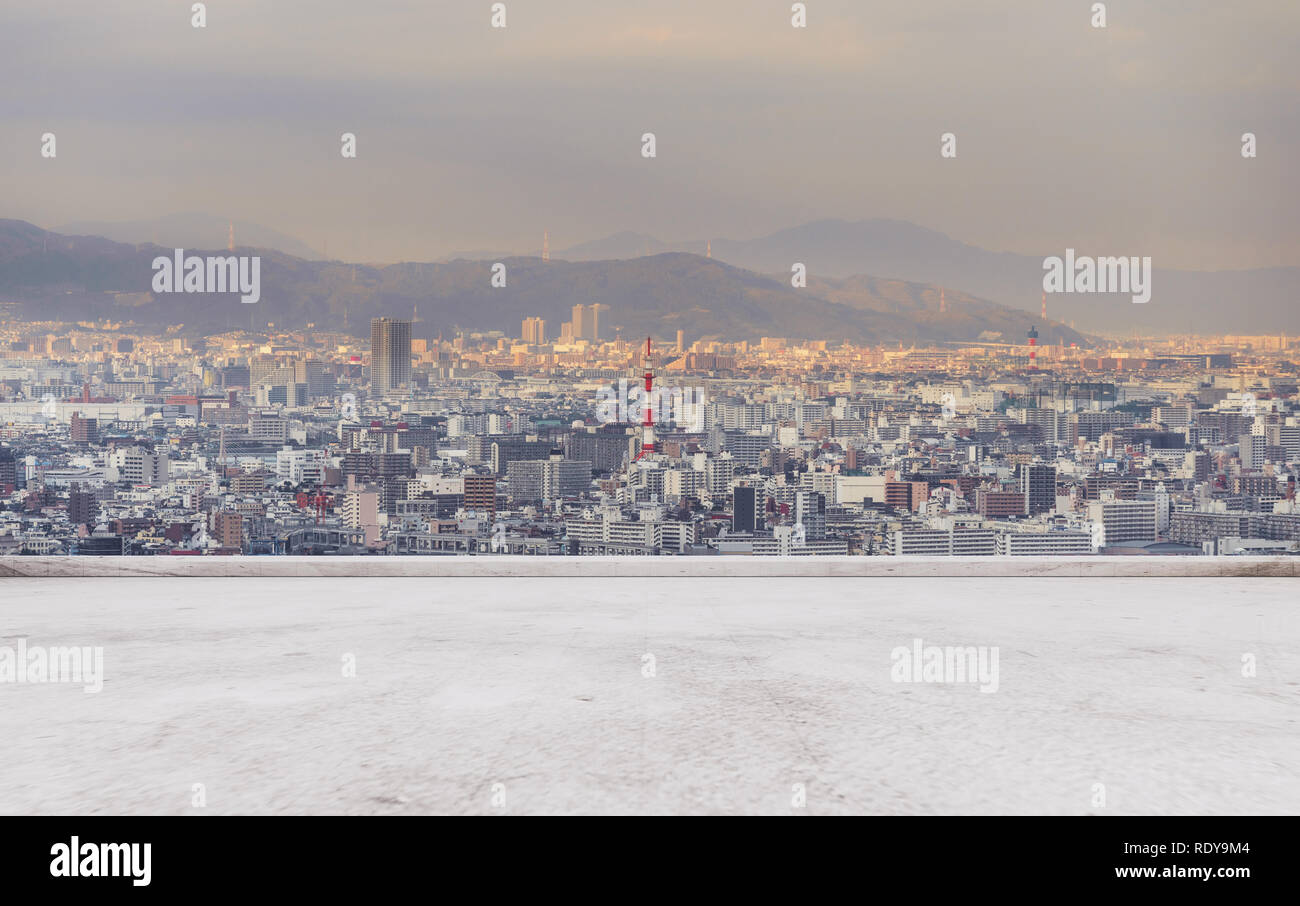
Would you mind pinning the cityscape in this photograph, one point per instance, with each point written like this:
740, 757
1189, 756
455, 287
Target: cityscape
657, 408
569, 439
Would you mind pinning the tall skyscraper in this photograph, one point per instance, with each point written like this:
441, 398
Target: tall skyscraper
390, 354
594, 320
534, 331
581, 326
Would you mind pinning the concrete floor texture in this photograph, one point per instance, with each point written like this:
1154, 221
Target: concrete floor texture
721, 695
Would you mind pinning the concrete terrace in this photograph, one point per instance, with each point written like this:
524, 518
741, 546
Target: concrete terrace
468, 688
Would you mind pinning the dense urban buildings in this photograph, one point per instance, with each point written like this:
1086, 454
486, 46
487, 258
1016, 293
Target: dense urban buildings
119, 442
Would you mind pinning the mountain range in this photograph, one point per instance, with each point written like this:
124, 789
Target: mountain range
1262, 300
77, 278
191, 229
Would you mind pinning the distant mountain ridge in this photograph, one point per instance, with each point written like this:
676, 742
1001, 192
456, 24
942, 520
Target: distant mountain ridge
1265, 300
74, 278
191, 230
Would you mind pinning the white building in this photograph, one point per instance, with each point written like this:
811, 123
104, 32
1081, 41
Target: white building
1124, 521
137, 465
1056, 543
300, 466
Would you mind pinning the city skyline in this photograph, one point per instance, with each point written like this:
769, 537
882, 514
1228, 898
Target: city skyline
484, 443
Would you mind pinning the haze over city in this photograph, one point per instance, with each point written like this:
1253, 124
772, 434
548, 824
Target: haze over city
1123, 140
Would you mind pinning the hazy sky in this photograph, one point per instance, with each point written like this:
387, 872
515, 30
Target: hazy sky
1123, 140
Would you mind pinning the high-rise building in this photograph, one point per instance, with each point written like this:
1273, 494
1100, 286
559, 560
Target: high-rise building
261, 367
534, 331
1197, 464
390, 354
480, 493
607, 450
538, 480
10, 471
311, 372
360, 510
1253, 450
1124, 521
83, 508
581, 324
1038, 485
84, 430
745, 514
137, 465
228, 529
810, 512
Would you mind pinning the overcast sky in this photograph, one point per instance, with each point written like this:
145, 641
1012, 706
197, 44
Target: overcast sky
1123, 140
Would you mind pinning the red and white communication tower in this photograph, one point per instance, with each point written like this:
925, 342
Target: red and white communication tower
321, 502
647, 408
1033, 348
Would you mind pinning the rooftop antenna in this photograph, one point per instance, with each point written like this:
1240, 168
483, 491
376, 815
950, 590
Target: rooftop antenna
546, 245
1044, 306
